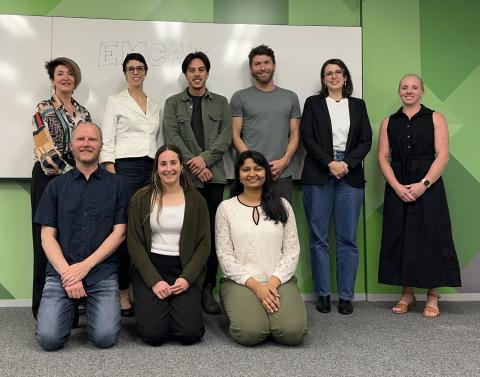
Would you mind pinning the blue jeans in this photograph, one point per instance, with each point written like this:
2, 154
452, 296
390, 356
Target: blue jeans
57, 311
344, 202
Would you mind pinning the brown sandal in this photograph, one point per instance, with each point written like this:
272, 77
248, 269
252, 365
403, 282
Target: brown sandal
431, 309
401, 308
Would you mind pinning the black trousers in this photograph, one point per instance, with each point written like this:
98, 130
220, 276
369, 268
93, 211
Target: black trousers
38, 184
213, 194
137, 171
177, 316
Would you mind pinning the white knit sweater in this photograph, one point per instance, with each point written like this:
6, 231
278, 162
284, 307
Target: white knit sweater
246, 249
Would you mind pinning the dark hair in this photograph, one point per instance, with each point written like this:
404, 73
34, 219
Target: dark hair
347, 89
134, 56
261, 50
51, 65
195, 55
271, 203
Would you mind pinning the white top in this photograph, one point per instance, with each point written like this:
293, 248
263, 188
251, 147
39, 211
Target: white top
340, 118
127, 130
247, 250
166, 230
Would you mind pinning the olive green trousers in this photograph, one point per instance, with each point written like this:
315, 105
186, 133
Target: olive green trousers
250, 324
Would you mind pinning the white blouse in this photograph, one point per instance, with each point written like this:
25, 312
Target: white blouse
166, 229
246, 249
340, 119
127, 130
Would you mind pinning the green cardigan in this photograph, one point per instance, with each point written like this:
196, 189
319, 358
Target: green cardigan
194, 238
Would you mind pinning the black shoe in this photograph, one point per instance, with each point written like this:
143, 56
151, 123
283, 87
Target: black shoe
323, 304
345, 306
208, 301
127, 312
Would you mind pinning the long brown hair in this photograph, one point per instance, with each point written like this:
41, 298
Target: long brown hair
156, 186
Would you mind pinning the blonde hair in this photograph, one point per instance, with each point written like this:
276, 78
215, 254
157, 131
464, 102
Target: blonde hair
411, 75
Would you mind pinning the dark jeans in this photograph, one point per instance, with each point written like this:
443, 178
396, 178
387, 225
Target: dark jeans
177, 316
213, 194
138, 172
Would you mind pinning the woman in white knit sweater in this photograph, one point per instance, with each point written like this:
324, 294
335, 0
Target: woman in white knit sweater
258, 250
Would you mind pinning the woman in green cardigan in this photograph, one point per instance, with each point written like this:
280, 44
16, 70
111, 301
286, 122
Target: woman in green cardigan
169, 243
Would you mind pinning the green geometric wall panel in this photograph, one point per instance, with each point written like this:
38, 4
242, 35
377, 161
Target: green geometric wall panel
439, 39
28, 7
5, 294
183, 10
463, 192
450, 40
465, 102
314, 12
267, 12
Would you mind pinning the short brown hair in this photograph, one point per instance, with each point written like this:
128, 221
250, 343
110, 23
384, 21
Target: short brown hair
261, 50
69, 63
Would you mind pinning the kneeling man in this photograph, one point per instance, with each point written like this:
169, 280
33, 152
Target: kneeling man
83, 218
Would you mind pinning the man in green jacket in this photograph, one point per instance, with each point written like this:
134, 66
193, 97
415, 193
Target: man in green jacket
199, 123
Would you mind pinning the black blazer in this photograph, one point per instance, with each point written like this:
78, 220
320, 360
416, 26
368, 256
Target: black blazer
316, 131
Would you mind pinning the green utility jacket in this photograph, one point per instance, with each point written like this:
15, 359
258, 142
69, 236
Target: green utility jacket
217, 126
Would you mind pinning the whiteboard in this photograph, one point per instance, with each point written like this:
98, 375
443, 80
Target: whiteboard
99, 47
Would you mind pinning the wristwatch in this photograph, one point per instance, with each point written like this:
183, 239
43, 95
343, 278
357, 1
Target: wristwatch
426, 183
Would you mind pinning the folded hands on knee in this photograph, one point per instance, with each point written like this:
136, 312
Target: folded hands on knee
163, 290
266, 293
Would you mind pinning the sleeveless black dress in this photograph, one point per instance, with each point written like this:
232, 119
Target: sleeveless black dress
417, 246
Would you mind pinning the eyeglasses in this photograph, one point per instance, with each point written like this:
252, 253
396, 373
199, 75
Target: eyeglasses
139, 69
338, 72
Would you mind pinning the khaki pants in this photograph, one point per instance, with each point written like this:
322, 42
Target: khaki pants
250, 324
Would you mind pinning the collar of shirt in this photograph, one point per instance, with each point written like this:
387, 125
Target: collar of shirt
186, 97
98, 174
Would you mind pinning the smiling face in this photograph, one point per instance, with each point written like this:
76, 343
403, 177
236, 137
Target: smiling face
410, 90
135, 73
63, 80
169, 168
86, 143
251, 174
196, 76
334, 78
262, 68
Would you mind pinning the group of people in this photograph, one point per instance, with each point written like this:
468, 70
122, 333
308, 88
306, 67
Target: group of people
179, 226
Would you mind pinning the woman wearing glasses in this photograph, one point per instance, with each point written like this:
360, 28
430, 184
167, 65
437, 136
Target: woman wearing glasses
337, 136
131, 128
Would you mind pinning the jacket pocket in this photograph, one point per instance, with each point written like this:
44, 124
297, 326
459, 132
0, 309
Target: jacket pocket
184, 127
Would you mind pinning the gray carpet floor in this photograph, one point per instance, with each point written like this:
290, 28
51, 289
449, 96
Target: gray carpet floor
370, 342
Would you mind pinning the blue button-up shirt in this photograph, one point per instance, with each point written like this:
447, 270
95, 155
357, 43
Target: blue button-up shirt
84, 213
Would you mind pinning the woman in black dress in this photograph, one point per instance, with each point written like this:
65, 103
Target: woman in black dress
417, 246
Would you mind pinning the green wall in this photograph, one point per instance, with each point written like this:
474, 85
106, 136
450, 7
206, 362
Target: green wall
435, 39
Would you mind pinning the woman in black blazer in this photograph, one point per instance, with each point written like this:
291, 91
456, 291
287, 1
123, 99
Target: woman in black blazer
337, 136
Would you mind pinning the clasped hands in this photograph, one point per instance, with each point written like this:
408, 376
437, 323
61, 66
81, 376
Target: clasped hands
72, 279
163, 290
410, 193
198, 167
338, 169
267, 294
